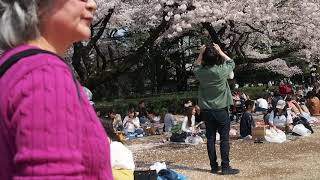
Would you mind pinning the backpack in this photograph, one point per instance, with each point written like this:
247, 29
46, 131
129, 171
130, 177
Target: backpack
303, 121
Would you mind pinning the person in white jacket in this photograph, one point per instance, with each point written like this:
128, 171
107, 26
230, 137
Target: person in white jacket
188, 124
131, 123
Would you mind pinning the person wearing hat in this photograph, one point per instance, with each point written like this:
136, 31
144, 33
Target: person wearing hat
280, 118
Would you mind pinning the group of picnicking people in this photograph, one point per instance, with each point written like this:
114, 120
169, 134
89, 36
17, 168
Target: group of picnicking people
216, 108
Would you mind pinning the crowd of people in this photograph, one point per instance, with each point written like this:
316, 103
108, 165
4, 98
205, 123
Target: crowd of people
282, 110
49, 128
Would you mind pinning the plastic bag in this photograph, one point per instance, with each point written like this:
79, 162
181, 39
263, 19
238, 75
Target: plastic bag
275, 136
194, 140
158, 166
301, 130
121, 156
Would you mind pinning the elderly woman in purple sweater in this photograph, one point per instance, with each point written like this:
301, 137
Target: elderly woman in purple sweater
48, 130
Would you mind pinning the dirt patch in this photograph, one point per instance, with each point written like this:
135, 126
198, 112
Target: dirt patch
294, 159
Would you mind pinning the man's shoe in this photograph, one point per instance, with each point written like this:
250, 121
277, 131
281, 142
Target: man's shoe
215, 170
229, 171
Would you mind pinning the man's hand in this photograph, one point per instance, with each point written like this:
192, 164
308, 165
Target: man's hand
202, 49
217, 48
199, 59
219, 51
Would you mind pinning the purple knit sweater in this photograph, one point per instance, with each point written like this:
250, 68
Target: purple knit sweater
45, 132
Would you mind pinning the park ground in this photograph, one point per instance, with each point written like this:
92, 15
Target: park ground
298, 158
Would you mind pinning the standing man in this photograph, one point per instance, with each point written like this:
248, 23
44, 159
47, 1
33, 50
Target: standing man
212, 69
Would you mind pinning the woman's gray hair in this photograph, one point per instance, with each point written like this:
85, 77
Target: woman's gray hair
19, 21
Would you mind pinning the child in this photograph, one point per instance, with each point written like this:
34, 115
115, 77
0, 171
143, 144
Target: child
247, 122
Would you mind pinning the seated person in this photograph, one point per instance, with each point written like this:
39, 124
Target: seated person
313, 103
276, 97
247, 122
169, 119
154, 117
302, 103
153, 126
280, 117
131, 123
116, 120
142, 112
122, 165
296, 109
198, 118
188, 124
261, 105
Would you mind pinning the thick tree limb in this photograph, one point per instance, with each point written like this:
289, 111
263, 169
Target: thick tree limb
104, 23
100, 54
213, 34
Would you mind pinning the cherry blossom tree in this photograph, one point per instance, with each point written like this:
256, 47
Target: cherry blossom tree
249, 30
273, 66
237, 25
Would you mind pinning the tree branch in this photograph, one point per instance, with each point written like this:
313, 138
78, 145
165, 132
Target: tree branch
100, 54
104, 23
214, 35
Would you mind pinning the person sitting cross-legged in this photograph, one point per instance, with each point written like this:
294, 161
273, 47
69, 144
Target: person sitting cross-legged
280, 118
131, 123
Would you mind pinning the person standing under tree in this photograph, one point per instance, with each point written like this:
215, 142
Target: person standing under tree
212, 69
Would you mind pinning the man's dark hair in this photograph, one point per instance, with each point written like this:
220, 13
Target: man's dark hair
310, 94
172, 109
141, 101
211, 57
249, 103
112, 111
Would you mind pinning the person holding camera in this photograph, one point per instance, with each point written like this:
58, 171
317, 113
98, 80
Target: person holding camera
212, 69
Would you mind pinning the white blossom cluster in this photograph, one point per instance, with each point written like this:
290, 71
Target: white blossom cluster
278, 66
291, 21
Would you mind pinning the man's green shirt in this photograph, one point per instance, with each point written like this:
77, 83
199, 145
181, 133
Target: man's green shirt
214, 91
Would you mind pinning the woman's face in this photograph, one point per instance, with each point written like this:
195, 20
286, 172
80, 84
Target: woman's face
193, 111
131, 114
67, 20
